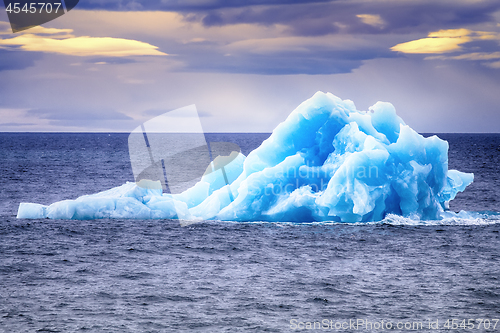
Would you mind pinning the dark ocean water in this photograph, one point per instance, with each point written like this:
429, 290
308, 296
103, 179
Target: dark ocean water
155, 276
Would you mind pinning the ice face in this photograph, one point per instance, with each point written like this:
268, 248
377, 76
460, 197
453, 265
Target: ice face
326, 162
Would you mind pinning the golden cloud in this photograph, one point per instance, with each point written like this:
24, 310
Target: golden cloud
450, 33
443, 41
65, 43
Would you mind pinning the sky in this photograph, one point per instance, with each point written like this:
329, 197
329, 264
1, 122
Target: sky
110, 65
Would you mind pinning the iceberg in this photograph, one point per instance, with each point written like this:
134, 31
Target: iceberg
326, 162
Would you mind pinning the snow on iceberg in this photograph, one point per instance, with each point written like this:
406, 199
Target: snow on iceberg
326, 162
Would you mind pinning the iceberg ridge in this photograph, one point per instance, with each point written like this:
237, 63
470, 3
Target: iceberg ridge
326, 162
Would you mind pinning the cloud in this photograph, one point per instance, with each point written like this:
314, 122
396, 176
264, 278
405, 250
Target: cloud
276, 36
320, 17
110, 60
259, 36
443, 41
35, 30
370, 19
235, 48
78, 114
456, 41
484, 57
17, 60
83, 46
299, 44
183, 5
469, 56
495, 64
63, 42
5, 29
13, 119
81, 118
16, 124
432, 45
151, 113
76, 117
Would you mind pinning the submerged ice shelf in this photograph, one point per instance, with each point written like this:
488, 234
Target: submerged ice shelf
326, 162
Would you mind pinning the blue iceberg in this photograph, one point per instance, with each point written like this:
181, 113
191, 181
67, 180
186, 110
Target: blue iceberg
326, 162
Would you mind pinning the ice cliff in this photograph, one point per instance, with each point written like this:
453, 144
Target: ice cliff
326, 162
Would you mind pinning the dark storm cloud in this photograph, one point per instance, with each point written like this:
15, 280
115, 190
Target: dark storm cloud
320, 17
182, 5
332, 17
376, 25
16, 60
384, 20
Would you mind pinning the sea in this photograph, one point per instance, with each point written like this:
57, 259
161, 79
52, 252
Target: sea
122, 275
